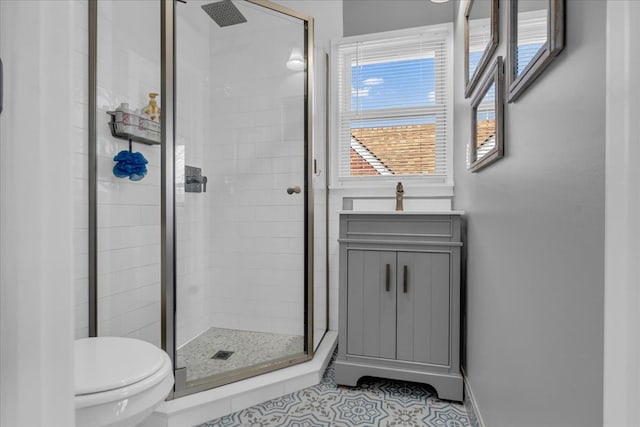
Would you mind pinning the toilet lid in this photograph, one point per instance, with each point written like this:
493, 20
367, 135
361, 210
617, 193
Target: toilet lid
107, 363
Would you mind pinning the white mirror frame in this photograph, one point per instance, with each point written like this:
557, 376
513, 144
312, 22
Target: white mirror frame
495, 75
471, 82
554, 45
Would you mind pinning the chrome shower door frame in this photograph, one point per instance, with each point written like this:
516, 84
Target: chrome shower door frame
168, 218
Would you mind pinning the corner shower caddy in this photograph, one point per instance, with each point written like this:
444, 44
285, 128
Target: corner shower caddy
119, 130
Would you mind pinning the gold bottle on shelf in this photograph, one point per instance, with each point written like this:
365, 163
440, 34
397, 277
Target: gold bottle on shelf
152, 111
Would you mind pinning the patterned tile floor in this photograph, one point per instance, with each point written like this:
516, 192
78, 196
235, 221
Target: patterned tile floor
374, 402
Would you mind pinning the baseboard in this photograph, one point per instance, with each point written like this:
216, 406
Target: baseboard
471, 405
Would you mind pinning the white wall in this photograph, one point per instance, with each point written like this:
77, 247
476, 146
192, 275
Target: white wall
622, 250
535, 239
40, 128
80, 171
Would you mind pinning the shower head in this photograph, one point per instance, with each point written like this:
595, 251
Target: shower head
224, 12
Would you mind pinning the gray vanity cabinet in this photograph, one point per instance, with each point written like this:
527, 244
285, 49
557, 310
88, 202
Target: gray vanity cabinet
423, 308
371, 299
400, 299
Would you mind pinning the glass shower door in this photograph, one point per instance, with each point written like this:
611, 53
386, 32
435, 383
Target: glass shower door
242, 191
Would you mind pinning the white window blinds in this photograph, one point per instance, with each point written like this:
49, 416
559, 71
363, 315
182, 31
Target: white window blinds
394, 105
479, 40
532, 35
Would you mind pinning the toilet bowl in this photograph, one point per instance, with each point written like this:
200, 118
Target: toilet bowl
119, 381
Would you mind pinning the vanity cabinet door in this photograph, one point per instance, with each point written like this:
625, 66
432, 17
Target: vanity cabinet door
423, 307
371, 303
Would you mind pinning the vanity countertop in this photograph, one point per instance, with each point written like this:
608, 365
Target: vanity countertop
434, 212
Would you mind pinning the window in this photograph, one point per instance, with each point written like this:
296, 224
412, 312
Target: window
394, 93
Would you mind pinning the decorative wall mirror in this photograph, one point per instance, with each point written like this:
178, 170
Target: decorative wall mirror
480, 39
487, 115
536, 37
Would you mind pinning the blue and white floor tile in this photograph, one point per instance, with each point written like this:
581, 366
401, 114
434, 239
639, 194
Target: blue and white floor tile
374, 402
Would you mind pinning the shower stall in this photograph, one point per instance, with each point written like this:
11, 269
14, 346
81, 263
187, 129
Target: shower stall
224, 263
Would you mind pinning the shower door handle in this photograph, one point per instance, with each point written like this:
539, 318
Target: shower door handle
295, 189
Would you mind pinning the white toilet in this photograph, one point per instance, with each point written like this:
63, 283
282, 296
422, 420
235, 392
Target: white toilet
119, 381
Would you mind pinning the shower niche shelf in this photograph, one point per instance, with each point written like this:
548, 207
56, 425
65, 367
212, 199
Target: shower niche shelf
146, 131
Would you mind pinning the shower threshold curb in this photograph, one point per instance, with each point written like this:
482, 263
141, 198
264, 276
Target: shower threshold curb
207, 405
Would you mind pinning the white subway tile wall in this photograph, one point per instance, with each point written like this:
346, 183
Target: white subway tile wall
128, 211
251, 152
193, 131
239, 118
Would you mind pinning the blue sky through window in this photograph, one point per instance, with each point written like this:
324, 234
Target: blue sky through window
474, 59
393, 84
526, 52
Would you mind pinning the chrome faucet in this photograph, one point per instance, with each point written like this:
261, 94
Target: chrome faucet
399, 197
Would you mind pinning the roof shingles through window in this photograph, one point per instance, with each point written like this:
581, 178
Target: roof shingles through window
404, 150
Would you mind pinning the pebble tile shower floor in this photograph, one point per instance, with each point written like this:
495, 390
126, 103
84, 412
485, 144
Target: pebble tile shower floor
374, 402
197, 354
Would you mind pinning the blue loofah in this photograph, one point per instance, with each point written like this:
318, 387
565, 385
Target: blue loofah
130, 165
117, 171
137, 177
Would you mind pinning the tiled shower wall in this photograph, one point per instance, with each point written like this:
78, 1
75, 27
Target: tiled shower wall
253, 256
128, 212
256, 246
193, 132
